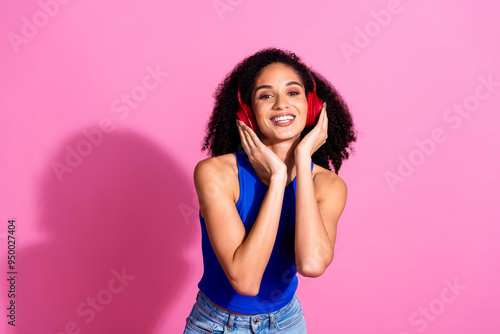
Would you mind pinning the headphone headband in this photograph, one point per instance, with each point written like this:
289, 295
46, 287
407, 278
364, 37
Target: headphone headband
312, 78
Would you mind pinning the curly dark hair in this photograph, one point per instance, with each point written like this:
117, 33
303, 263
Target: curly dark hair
222, 133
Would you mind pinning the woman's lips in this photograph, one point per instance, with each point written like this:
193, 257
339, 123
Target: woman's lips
283, 120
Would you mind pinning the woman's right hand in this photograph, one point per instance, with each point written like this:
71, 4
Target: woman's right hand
260, 155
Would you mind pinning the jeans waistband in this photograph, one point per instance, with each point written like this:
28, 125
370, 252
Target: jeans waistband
243, 320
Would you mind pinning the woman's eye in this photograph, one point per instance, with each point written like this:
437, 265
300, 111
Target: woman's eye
294, 93
265, 96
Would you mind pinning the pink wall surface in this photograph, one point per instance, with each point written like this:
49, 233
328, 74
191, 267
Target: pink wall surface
103, 109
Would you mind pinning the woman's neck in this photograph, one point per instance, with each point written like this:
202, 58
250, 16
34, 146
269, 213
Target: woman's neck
285, 150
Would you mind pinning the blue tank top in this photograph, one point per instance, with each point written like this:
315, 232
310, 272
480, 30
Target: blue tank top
279, 281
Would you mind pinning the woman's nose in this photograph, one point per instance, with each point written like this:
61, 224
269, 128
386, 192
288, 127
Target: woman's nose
281, 102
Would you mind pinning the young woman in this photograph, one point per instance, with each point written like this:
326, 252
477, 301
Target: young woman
269, 203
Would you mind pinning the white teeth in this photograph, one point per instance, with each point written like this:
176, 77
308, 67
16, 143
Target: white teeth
282, 119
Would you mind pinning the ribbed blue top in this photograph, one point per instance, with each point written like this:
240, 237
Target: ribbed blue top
279, 281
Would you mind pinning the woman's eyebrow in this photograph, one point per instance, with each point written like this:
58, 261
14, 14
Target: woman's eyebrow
269, 86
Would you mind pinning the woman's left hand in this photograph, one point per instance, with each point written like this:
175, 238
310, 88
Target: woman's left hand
316, 137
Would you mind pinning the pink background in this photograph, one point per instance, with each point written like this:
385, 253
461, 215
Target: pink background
422, 212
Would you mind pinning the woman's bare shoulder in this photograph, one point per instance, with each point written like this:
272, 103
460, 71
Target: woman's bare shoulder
220, 171
225, 163
328, 183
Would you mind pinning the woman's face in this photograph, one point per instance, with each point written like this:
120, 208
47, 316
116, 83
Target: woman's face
279, 103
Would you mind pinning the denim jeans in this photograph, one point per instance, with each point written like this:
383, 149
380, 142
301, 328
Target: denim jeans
206, 317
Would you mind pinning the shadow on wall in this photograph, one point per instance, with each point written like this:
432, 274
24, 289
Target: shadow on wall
113, 261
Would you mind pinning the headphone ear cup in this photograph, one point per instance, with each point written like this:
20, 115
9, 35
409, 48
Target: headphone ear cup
245, 114
314, 106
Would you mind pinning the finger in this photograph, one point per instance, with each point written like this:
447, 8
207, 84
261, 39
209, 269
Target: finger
324, 118
253, 138
321, 115
246, 133
326, 121
243, 138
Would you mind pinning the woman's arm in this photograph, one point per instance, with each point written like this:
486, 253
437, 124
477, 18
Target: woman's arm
319, 204
243, 257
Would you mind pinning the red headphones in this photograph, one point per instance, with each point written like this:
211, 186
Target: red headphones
314, 106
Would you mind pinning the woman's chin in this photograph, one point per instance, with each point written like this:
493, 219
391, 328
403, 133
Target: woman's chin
281, 135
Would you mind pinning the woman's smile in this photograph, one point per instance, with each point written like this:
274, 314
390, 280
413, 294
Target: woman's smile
284, 119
